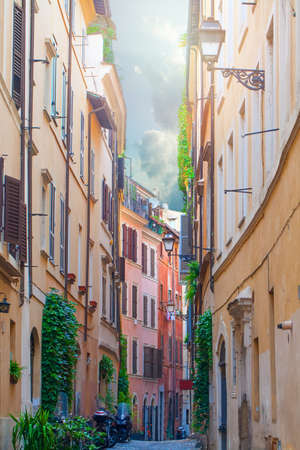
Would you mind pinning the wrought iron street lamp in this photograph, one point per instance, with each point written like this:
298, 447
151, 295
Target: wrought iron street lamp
4, 306
168, 241
211, 38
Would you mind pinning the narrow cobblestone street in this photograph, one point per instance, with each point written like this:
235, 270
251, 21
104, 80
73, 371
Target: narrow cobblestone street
164, 445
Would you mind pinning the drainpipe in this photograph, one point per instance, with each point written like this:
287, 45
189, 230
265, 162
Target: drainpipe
23, 128
87, 265
67, 193
29, 154
212, 173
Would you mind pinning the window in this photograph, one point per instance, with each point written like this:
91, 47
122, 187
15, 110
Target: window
93, 173
71, 123
243, 164
176, 405
152, 268
81, 144
104, 296
129, 243
124, 299
152, 313
152, 362
134, 302
43, 219
79, 258
63, 106
256, 381
62, 235
169, 296
221, 204
161, 293
233, 356
17, 56
145, 304
144, 258
52, 222
230, 184
134, 356
112, 305
53, 84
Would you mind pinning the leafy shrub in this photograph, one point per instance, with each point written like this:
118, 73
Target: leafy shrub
33, 432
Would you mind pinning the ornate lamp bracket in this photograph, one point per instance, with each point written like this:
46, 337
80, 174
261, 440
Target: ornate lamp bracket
250, 78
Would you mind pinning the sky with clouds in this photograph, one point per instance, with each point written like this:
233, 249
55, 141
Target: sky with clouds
151, 66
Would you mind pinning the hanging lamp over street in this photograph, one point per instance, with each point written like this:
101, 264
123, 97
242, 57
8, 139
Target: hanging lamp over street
211, 38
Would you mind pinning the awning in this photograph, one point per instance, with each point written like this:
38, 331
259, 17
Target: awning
104, 116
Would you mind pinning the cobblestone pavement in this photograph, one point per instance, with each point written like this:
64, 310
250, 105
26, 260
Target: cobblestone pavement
157, 445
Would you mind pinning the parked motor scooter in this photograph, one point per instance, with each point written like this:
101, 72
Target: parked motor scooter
106, 422
180, 433
123, 421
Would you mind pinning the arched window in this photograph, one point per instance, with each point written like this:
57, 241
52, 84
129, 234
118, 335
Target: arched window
35, 368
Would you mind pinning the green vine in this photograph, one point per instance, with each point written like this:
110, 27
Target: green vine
191, 281
203, 364
59, 349
123, 381
185, 166
106, 369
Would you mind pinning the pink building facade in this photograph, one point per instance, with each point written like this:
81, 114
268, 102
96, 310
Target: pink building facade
140, 242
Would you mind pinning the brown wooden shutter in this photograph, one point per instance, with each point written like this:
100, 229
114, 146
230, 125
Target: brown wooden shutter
146, 259
159, 363
124, 299
134, 245
134, 357
23, 233
124, 238
122, 268
152, 262
17, 55
152, 313
1, 190
148, 362
103, 200
154, 363
106, 203
143, 258
134, 302
130, 243
145, 304
12, 210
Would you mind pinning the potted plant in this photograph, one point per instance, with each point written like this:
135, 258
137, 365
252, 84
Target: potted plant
71, 278
92, 306
15, 371
81, 290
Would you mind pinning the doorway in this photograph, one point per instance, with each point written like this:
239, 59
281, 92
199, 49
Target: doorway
223, 392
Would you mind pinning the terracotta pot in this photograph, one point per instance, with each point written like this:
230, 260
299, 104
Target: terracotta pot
13, 379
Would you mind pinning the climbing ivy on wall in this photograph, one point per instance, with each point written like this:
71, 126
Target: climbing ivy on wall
59, 349
191, 281
185, 166
203, 364
123, 382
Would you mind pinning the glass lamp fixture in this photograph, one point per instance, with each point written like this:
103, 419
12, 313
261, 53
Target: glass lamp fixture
211, 38
170, 307
168, 241
4, 306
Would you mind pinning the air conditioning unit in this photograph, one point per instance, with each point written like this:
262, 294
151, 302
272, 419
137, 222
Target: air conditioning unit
135, 322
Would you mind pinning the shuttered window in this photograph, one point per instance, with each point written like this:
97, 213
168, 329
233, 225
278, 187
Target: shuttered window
124, 299
161, 293
124, 240
134, 302
52, 221
63, 106
62, 236
152, 268
129, 243
1, 190
134, 257
71, 122
93, 173
134, 357
12, 210
104, 296
23, 233
17, 56
152, 313
144, 258
162, 346
53, 85
145, 309
152, 363
81, 144
122, 268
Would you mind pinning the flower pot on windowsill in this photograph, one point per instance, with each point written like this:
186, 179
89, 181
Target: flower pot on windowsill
13, 379
71, 278
81, 290
92, 306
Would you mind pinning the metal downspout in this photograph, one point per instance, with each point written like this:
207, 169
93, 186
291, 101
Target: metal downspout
29, 154
23, 128
67, 193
